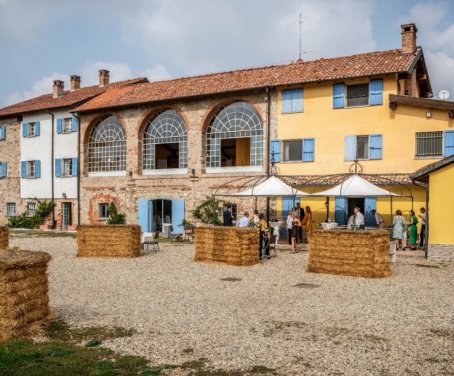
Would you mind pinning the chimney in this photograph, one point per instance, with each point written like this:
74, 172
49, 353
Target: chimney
58, 88
75, 82
409, 38
103, 77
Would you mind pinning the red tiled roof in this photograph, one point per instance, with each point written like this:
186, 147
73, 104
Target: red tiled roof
69, 98
422, 102
322, 180
361, 65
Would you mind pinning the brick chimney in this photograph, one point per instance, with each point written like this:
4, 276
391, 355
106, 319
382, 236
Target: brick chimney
75, 82
103, 77
58, 88
409, 38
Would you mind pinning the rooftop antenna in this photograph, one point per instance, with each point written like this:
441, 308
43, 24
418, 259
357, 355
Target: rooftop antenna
301, 31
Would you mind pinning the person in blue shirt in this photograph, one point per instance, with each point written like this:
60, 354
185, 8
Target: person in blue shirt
243, 221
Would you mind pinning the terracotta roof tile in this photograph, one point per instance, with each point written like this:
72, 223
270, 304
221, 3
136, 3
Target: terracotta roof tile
69, 98
361, 65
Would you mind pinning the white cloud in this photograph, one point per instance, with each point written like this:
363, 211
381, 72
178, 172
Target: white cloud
158, 72
90, 72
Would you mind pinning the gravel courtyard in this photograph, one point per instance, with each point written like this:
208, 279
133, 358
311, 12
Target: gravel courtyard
184, 311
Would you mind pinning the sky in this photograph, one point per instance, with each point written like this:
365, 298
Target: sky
52, 39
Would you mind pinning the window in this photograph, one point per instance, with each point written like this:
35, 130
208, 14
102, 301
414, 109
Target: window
10, 209
429, 144
3, 169
102, 210
299, 150
2, 132
31, 209
165, 142
66, 127
107, 146
363, 147
67, 167
234, 137
357, 95
31, 129
31, 169
292, 101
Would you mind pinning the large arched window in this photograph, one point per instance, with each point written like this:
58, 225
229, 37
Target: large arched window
107, 146
235, 137
165, 142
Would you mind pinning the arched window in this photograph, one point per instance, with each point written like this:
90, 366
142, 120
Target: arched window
235, 137
107, 146
165, 142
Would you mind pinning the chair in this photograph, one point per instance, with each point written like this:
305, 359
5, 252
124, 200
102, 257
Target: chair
273, 242
151, 238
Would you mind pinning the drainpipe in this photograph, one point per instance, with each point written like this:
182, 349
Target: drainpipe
52, 166
426, 235
79, 172
268, 140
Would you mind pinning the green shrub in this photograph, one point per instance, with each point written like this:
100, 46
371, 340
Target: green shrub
23, 221
115, 218
209, 211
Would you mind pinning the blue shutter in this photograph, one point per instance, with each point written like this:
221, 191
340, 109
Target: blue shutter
59, 125
24, 130
58, 168
37, 169
308, 149
350, 148
288, 203
292, 100
177, 215
37, 128
338, 95
3, 169
75, 166
287, 98
275, 150
74, 124
340, 210
2, 132
23, 169
143, 214
375, 146
369, 204
376, 92
449, 143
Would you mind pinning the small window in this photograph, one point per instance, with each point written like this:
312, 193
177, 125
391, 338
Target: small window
357, 95
31, 130
31, 209
31, 169
102, 208
67, 167
293, 150
429, 144
362, 147
66, 127
10, 209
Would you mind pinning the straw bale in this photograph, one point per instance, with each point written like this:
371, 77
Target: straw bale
4, 237
108, 240
24, 300
230, 245
354, 253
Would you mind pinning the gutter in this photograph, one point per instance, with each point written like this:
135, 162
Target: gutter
79, 172
268, 140
52, 166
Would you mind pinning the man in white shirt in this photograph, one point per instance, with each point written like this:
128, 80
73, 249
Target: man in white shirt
243, 221
378, 219
359, 217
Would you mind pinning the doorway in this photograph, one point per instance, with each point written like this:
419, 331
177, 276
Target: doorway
353, 203
159, 214
67, 217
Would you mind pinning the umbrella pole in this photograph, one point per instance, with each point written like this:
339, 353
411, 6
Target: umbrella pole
327, 209
268, 209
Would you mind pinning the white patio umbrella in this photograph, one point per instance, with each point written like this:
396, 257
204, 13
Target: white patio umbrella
355, 186
271, 187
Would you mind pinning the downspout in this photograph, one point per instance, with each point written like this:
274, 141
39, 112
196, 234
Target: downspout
52, 166
426, 235
268, 140
79, 172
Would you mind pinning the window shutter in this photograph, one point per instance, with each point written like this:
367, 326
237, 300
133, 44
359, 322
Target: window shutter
177, 215
369, 204
375, 146
23, 169
24, 130
59, 125
37, 169
74, 166
350, 148
58, 168
287, 98
275, 150
376, 92
449, 143
37, 128
308, 149
338, 95
74, 124
297, 102
2, 132
288, 203
143, 214
340, 210
3, 170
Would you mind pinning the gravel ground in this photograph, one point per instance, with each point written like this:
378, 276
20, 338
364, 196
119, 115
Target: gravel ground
183, 311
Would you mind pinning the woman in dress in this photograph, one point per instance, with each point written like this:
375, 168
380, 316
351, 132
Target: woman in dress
399, 227
296, 225
264, 236
413, 230
289, 225
307, 222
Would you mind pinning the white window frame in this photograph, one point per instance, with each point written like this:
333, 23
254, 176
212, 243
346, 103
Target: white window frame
31, 131
31, 169
67, 167
100, 205
9, 212
66, 126
31, 209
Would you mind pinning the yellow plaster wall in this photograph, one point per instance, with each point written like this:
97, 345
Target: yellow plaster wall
441, 206
329, 127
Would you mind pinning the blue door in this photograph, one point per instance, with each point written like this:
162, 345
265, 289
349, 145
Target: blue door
177, 215
340, 211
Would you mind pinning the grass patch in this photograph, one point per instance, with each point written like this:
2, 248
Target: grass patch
16, 233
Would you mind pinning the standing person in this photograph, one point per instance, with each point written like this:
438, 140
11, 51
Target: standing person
300, 215
264, 235
255, 218
289, 225
399, 227
413, 230
243, 221
228, 218
296, 224
422, 235
378, 219
307, 222
359, 217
